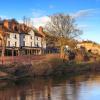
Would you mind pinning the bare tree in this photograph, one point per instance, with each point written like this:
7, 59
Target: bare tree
63, 27
27, 21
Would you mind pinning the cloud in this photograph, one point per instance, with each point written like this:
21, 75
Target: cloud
3, 17
84, 27
38, 13
40, 21
20, 21
85, 13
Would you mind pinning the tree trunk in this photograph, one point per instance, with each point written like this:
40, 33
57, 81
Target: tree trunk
4, 39
3, 51
62, 55
61, 52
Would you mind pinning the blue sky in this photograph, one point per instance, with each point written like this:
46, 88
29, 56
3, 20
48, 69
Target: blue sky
86, 13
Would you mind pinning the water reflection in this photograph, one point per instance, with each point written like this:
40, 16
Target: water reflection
84, 87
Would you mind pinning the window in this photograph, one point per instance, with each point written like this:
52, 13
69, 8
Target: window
15, 44
31, 44
8, 43
37, 38
37, 45
23, 36
15, 37
8, 35
23, 43
30, 37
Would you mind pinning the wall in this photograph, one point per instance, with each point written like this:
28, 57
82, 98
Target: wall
12, 40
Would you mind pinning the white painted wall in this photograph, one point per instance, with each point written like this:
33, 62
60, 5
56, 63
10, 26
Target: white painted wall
12, 40
44, 43
28, 39
31, 40
38, 41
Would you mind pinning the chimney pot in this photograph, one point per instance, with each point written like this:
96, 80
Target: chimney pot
6, 24
40, 29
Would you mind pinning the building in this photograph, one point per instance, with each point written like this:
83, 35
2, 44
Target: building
89, 45
22, 39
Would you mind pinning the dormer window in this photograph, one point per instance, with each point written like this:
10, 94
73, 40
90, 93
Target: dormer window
16, 28
9, 25
8, 35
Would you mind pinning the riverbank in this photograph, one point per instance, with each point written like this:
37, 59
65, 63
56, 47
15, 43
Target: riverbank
49, 67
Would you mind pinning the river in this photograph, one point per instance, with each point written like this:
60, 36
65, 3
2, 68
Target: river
83, 87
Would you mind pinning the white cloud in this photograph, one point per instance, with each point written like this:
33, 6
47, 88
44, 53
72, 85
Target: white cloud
40, 21
84, 27
3, 17
20, 21
38, 18
85, 13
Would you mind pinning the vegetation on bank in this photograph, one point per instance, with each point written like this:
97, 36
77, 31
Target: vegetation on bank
59, 67
49, 67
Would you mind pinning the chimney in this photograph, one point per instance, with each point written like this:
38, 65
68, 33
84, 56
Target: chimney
6, 24
40, 29
13, 25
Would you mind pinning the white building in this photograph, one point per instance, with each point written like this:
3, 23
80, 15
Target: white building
29, 42
13, 40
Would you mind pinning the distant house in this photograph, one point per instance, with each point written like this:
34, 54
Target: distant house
89, 45
23, 39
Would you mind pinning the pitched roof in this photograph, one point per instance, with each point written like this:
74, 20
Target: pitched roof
37, 33
13, 26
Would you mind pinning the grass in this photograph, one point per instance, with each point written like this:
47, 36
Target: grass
53, 67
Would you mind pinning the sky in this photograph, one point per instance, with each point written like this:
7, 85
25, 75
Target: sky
86, 13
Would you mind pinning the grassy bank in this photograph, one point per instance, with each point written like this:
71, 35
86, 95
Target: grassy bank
57, 67
49, 67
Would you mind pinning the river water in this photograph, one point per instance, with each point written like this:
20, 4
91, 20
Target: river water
83, 87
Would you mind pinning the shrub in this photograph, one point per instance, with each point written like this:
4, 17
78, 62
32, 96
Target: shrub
42, 68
